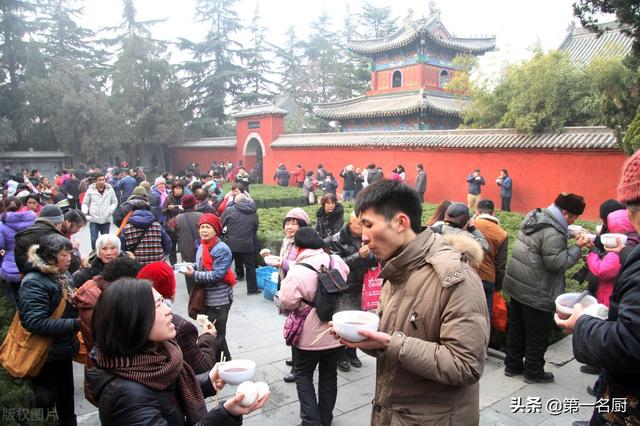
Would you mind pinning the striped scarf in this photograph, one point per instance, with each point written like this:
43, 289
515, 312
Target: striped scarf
158, 370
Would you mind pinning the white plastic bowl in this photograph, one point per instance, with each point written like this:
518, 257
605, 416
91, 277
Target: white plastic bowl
237, 371
609, 240
272, 260
564, 303
347, 324
182, 267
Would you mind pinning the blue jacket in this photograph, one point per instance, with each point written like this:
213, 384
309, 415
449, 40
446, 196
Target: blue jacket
125, 187
142, 219
506, 187
474, 185
12, 223
222, 258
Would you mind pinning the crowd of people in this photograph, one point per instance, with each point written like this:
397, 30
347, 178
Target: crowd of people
112, 308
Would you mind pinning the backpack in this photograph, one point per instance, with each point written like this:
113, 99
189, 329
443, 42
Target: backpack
331, 288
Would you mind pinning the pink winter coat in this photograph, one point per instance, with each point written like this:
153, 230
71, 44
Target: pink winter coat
607, 268
301, 283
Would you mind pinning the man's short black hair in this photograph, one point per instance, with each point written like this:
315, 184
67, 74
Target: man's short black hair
121, 267
485, 206
76, 217
387, 198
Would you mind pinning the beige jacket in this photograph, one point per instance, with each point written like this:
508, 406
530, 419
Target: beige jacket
434, 307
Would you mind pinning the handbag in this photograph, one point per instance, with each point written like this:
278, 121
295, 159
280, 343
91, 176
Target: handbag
22, 353
371, 289
499, 317
294, 324
196, 300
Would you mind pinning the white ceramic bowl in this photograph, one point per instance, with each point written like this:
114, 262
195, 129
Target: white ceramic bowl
575, 230
564, 303
347, 324
609, 240
237, 371
592, 237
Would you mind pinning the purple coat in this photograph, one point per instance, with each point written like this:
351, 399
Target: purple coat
11, 223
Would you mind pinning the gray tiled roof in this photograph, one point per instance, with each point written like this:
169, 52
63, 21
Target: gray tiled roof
432, 27
390, 105
33, 154
587, 138
259, 110
224, 142
583, 46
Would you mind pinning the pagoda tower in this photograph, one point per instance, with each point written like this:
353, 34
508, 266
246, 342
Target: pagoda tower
410, 70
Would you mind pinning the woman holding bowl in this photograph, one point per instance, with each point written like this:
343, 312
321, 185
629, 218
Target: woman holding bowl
213, 260
295, 219
140, 376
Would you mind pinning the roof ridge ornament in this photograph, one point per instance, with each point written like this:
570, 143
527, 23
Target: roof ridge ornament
408, 20
434, 11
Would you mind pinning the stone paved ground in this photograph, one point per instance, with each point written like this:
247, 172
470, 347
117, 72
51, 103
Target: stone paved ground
255, 332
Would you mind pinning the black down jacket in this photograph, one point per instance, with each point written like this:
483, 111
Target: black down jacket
39, 296
241, 223
614, 345
347, 246
331, 223
125, 402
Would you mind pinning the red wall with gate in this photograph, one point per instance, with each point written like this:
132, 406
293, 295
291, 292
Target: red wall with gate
538, 176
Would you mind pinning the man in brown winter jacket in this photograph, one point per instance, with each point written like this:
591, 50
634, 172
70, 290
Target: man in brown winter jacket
433, 333
494, 264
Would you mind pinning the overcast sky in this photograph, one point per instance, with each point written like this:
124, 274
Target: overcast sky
517, 24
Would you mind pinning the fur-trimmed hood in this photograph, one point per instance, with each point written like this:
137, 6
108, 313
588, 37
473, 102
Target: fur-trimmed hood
469, 248
38, 264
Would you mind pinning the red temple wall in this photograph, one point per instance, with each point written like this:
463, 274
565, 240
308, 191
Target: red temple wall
537, 176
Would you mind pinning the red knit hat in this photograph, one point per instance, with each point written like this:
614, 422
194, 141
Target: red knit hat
161, 276
629, 187
212, 220
188, 201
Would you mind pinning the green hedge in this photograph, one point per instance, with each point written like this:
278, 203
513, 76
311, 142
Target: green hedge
271, 196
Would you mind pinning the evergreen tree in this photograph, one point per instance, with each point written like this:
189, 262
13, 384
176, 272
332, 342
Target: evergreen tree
15, 28
260, 83
377, 21
145, 95
65, 42
215, 74
291, 58
323, 61
353, 78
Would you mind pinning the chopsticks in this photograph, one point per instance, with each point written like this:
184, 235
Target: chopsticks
223, 359
319, 336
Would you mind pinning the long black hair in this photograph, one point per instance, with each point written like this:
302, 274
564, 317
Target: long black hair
123, 318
